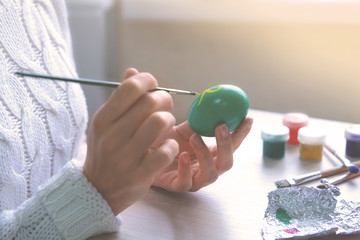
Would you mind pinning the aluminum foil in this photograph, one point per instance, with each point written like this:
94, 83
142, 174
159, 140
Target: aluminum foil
303, 212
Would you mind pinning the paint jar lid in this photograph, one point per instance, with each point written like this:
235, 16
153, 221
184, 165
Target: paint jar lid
352, 132
275, 133
295, 120
311, 135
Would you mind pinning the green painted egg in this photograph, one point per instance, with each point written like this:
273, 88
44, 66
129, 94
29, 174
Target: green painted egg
219, 104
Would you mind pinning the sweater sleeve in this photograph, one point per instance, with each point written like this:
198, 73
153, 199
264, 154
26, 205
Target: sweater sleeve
66, 207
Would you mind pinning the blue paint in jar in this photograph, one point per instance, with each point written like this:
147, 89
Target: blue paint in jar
352, 135
274, 141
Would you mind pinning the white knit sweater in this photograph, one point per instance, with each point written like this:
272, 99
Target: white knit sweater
42, 127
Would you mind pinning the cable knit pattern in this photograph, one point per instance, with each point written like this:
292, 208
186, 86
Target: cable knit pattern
42, 127
67, 207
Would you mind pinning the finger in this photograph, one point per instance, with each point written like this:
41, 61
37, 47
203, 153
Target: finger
124, 96
208, 172
181, 133
184, 130
241, 132
183, 182
155, 125
224, 159
160, 158
126, 126
130, 72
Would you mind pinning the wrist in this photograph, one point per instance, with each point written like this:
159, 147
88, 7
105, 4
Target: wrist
71, 200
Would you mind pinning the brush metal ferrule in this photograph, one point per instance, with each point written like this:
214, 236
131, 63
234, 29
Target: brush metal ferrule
305, 178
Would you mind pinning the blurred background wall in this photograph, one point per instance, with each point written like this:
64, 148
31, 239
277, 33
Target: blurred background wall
95, 43
287, 55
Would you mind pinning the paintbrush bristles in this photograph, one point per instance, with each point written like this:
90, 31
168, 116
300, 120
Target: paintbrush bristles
282, 184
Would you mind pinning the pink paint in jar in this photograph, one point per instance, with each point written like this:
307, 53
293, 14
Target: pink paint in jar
294, 121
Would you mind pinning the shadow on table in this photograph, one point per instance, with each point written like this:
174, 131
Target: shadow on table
338, 237
179, 215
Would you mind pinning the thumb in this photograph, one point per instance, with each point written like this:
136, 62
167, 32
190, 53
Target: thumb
130, 72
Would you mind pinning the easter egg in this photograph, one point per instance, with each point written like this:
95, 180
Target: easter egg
227, 104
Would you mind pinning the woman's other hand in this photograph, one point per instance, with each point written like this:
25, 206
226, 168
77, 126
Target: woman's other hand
199, 165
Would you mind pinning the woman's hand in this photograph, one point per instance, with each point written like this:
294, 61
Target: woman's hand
199, 165
121, 161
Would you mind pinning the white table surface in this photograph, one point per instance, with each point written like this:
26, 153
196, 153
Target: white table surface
233, 207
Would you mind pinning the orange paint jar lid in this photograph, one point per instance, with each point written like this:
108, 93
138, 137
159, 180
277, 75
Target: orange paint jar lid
295, 120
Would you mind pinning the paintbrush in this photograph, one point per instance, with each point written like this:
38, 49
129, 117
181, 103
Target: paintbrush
295, 181
347, 163
342, 179
101, 83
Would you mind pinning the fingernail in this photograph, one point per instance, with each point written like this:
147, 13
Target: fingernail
224, 131
185, 157
197, 140
251, 119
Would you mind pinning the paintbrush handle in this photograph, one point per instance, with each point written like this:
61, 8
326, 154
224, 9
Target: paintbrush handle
101, 83
320, 174
344, 160
345, 178
308, 177
342, 179
333, 171
337, 170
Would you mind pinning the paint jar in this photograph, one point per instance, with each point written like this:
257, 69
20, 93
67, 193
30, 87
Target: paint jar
352, 135
274, 141
294, 121
312, 141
